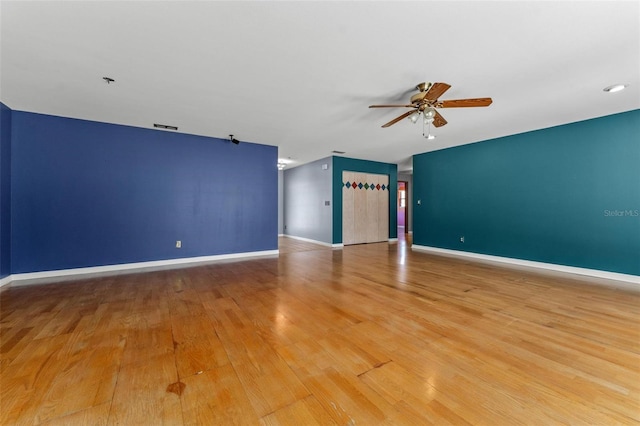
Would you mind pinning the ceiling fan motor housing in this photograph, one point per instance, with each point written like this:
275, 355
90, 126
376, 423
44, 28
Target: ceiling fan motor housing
418, 97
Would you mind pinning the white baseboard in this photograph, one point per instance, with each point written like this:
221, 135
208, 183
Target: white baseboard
573, 270
280, 235
393, 240
309, 240
6, 280
126, 268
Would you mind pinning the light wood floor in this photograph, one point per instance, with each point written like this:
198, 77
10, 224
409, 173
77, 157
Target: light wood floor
368, 335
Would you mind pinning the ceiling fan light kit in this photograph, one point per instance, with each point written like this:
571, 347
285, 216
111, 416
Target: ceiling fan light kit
426, 101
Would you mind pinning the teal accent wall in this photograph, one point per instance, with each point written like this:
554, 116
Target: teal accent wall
567, 195
341, 164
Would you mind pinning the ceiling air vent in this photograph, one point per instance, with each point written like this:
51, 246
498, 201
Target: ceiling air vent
338, 152
164, 126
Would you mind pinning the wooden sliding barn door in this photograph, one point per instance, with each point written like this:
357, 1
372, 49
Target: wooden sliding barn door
365, 208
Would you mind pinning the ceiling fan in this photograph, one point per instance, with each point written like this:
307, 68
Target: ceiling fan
426, 101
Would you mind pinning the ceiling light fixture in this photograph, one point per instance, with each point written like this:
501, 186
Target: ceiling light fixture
429, 114
283, 162
615, 88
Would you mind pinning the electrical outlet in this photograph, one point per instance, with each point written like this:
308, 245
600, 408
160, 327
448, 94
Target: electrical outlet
462, 239
178, 244
419, 202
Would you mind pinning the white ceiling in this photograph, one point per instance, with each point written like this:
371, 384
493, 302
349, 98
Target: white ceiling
300, 75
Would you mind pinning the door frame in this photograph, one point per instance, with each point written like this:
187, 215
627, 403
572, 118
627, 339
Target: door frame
406, 204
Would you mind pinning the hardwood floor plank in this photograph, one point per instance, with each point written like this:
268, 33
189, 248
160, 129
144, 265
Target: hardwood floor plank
28, 380
270, 386
88, 379
354, 358
216, 397
370, 334
307, 411
14, 338
197, 347
142, 393
96, 415
346, 399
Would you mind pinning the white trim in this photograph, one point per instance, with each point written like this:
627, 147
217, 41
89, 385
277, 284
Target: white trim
309, 240
337, 246
595, 273
156, 265
280, 235
393, 240
6, 280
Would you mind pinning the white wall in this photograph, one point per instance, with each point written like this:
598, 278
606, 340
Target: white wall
280, 203
305, 190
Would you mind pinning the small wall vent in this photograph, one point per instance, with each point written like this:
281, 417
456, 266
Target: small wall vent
164, 126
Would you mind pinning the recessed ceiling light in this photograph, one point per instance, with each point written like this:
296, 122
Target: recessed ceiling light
615, 88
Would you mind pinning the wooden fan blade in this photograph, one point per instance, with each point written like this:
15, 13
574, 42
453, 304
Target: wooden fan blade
459, 103
391, 106
438, 120
437, 89
395, 120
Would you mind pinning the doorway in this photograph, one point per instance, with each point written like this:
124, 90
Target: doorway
403, 210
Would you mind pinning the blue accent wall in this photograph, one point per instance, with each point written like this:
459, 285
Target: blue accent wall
341, 164
5, 190
567, 195
90, 194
